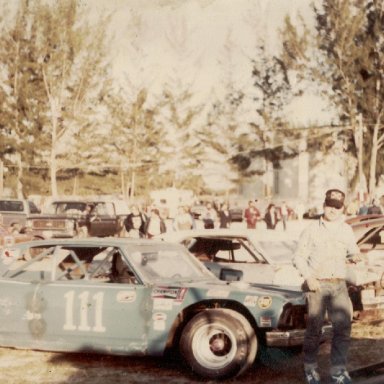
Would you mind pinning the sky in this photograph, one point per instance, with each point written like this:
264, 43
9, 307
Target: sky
202, 42
189, 40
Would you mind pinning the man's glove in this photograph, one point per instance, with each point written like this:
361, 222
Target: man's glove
313, 284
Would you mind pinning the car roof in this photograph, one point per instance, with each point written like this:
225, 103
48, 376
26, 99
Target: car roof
363, 218
95, 242
259, 234
362, 228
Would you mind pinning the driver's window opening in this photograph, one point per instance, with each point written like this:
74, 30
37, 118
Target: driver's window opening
222, 250
121, 272
59, 263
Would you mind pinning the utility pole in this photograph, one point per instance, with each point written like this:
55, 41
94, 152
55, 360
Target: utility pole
1, 178
359, 143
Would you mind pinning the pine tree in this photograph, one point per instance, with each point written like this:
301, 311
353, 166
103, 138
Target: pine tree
345, 58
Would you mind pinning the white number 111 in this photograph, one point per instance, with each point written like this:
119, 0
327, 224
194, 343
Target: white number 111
87, 308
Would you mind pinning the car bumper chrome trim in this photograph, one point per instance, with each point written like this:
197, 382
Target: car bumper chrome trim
292, 338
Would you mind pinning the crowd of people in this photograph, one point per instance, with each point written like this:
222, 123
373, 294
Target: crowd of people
357, 207
151, 222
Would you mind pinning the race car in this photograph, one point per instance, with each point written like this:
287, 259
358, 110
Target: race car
265, 257
140, 297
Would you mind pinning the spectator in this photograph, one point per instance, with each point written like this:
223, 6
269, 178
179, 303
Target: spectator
353, 208
209, 217
90, 216
155, 225
320, 257
374, 209
251, 214
300, 209
284, 210
183, 220
271, 217
363, 210
381, 204
225, 217
135, 222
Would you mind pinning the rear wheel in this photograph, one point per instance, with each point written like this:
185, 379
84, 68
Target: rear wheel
218, 344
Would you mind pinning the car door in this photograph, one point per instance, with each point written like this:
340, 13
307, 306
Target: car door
95, 315
103, 220
40, 308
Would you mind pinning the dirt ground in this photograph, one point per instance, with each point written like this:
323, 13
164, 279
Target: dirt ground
274, 367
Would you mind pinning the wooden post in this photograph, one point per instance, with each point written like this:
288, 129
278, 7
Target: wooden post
1, 178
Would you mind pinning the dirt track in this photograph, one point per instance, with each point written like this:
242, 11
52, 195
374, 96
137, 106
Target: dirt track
277, 367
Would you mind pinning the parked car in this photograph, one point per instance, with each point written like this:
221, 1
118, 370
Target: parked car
237, 213
265, 257
78, 218
370, 234
15, 212
140, 297
9, 239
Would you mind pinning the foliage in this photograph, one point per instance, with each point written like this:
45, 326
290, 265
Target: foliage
184, 152
138, 149
54, 60
271, 135
346, 60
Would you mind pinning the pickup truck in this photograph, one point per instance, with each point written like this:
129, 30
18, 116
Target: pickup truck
15, 212
78, 218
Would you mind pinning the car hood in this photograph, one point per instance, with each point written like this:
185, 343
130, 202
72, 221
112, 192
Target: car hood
287, 292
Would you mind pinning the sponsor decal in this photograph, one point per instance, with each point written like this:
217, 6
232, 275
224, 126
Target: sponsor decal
159, 319
265, 321
218, 293
157, 316
8, 255
163, 304
264, 302
126, 296
251, 301
175, 294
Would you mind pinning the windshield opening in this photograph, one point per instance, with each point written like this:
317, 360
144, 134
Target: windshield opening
166, 264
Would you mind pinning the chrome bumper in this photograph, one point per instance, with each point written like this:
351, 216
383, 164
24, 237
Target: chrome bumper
292, 338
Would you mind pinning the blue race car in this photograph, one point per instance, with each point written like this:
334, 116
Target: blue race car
139, 297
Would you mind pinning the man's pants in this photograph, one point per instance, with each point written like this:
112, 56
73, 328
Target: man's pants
333, 298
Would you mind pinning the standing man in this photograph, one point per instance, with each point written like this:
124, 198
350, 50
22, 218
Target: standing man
251, 214
284, 214
321, 255
381, 204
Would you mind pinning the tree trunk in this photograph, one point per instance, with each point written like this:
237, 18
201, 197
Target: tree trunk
132, 190
359, 139
122, 181
19, 184
53, 162
53, 167
75, 186
372, 167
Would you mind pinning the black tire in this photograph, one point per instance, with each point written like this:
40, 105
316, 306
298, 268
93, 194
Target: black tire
217, 344
252, 341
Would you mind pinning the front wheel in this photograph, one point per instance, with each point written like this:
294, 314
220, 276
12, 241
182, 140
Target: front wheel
217, 345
